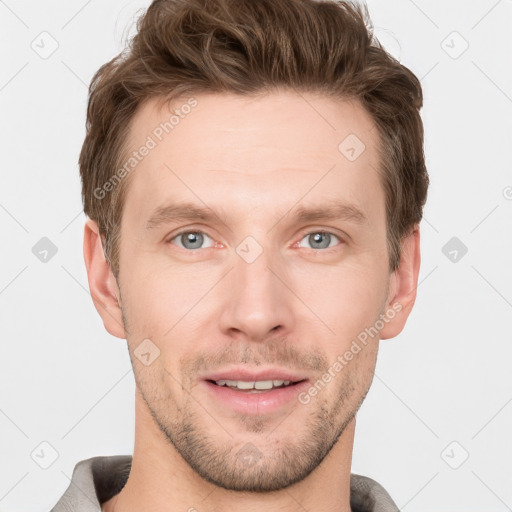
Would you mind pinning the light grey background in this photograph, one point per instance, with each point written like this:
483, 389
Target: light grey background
442, 389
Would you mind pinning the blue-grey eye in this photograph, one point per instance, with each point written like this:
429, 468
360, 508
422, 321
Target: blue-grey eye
191, 239
320, 239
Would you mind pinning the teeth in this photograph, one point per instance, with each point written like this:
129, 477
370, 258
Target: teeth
263, 384
260, 385
244, 385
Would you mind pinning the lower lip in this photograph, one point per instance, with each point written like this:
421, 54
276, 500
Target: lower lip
256, 403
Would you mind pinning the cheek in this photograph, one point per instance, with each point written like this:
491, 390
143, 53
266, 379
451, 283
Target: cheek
163, 298
158, 295
346, 299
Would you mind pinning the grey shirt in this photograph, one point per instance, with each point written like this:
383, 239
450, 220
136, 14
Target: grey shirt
98, 479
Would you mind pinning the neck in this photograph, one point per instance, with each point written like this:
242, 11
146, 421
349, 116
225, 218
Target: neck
160, 479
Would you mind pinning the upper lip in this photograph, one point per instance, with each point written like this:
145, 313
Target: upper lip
248, 375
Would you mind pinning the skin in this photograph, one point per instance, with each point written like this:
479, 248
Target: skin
297, 306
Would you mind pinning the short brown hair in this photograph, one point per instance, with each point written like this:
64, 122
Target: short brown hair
252, 47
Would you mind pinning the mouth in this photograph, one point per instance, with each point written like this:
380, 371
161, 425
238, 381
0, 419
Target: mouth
259, 386
255, 394
255, 391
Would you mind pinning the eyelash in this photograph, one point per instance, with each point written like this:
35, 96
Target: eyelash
302, 236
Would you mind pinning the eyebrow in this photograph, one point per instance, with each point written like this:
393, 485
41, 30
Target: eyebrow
333, 210
180, 212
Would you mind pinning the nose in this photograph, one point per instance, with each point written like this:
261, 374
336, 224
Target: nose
257, 300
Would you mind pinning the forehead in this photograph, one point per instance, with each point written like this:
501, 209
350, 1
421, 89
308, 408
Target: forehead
253, 151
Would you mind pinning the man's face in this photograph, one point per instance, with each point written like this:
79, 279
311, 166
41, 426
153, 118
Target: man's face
255, 287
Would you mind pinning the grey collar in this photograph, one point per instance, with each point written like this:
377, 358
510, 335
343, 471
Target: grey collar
98, 479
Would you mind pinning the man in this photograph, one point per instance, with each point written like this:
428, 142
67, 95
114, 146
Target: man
254, 178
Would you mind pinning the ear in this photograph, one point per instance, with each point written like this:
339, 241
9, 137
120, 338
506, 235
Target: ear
102, 283
403, 284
